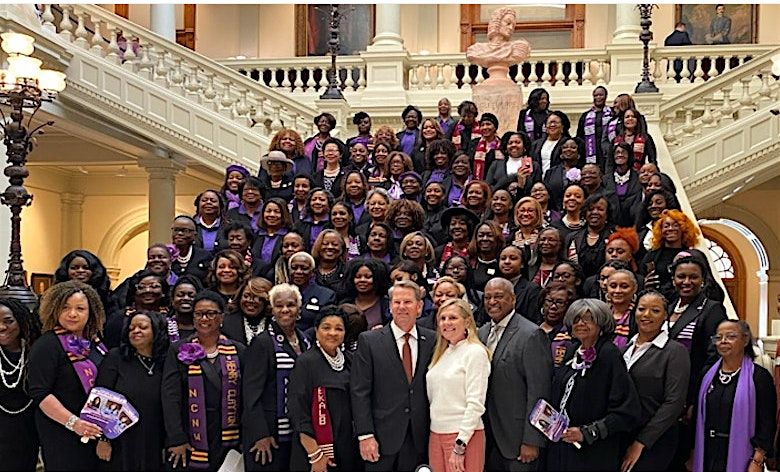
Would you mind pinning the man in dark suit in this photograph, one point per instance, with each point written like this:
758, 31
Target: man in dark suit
521, 373
389, 397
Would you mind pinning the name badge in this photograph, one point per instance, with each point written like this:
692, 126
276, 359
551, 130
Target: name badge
312, 307
491, 271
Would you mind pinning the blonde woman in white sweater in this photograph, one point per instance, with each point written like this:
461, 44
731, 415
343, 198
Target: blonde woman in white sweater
457, 382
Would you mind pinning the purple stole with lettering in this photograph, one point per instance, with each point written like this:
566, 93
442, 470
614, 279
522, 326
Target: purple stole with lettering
77, 350
284, 365
528, 124
196, 401
590, 132
323, 427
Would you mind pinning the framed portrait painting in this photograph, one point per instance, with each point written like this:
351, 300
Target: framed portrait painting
712, 24
312, 21
39, 283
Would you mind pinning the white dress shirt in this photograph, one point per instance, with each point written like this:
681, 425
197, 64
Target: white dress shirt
457, 386
398, 334
501, 327
634, 353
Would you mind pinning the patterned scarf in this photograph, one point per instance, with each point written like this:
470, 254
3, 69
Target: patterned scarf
591, 144
483, 147
458, 132
639, 149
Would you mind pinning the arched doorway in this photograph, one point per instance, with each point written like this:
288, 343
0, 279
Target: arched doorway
730, 266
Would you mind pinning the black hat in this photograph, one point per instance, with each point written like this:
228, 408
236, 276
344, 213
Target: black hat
489, 117
451, 212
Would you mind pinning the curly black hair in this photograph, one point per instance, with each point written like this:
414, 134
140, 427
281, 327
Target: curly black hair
98, 280
29, 325
379, 273
328, 311
160, 342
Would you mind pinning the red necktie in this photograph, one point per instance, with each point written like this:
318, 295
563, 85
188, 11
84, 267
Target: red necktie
406, 357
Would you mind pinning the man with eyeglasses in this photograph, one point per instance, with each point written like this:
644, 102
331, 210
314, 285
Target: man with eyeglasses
188, 259
521, 373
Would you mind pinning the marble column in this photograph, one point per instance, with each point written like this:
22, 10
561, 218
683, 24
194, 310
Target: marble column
71, 211
163, 20
627, 26
388, 27
162, 169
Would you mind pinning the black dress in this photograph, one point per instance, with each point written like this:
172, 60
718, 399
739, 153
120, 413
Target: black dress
311, 371
51, 373
604, 395
175, 406
18, 437
720, 401
141, 446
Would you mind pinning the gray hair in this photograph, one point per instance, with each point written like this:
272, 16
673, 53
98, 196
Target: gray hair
406, 284
600, 311
285, 289
378, 191
306, 256
503, 283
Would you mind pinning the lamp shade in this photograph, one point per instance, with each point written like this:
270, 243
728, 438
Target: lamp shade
51, 80
8, 80
24, 67
16, 43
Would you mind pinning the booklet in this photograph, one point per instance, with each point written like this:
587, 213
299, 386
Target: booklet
109, 410
549, 421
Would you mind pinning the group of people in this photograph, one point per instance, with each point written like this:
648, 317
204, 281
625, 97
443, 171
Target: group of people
405, 298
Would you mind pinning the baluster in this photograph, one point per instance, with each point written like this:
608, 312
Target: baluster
587, 75
427, 77
324, 79
480, 75
746, 101
361, 78
559, 77
276, 123
413, 78
600, 74
192, 84
349, 83
467, 74
546, 74
656, 67
685, 74
48, 19
98, 43
113, 47
713, 71
298, 84
707, 118
130, 59
311, 83
438, 80
273, 83
65, 25
688, 128
242, 107
727, 114
81, 32
177, 77
226, 101
209, 94
698, 73
453, 81
669, 136
286, 84
161, 69
668, 72
727, 63
765, 92
145, 65
533, 77
258, 116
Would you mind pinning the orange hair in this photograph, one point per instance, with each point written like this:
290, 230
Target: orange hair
690, 233
283, 133
628, 235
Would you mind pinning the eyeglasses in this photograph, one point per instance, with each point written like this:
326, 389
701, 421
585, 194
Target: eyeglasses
563, 276
552, 303
142, 287
728, 337
209, 315
182, 230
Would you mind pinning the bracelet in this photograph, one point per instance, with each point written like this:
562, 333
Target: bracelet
319, 450
316, 459
71, 422
459, 450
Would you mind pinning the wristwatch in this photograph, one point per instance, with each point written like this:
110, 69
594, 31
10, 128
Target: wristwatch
460, 447
71, 422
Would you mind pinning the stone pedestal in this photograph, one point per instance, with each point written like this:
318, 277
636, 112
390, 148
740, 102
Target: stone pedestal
501, 96
386, 78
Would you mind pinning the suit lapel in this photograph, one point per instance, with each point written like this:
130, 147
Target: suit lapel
423, 343
509, 332
391, 350
690, 314
483, 333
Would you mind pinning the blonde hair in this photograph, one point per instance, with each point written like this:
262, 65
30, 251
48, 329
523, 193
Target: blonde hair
471, 329
446, 279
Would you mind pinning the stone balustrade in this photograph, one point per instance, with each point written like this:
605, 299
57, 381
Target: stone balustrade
698, 64
176, 68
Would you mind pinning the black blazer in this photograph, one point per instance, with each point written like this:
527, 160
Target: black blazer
314, 297
707, 314
319, 181
599, 132
198, 266
497, 177
555, 156
233, 327
384, 403
661, 379
521, 373
626, 214
418, 156
555, 180
284, 191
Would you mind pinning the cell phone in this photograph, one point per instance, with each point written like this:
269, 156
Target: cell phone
527, 165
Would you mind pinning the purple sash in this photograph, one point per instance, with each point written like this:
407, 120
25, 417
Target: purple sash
284, 365
233, 199
231, 402
528, 124
743, 418
612, 128
77, 350
173, 329
590, 132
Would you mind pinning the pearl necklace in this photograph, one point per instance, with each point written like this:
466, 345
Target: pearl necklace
726, 378
337, 362
183, 260
252, 331
15, 368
